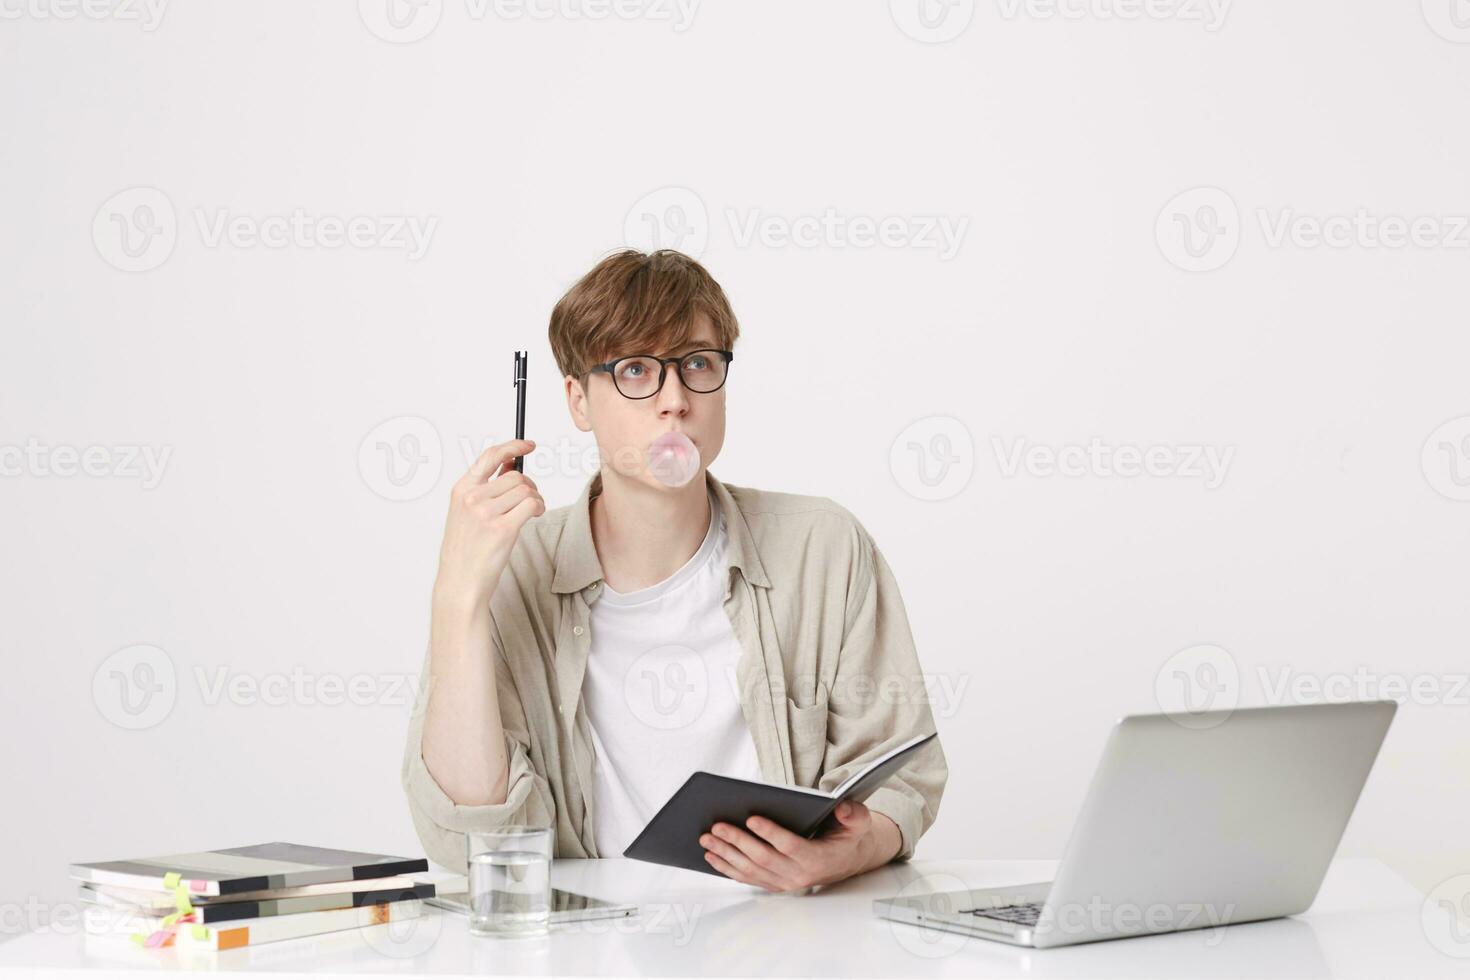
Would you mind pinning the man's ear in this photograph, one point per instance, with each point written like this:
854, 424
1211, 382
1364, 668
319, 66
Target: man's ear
577, 404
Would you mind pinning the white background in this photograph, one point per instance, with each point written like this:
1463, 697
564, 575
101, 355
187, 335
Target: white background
1334, 546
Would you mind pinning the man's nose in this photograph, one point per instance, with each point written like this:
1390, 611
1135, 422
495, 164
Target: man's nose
673, 397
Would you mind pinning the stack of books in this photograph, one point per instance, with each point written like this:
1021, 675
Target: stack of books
244, 896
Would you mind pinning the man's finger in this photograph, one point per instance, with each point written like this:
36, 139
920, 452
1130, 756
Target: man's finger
736, 859
725, 868
853, 816
760, 853
488, 461
778, 836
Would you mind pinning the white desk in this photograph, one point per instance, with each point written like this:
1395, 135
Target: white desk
1366, 922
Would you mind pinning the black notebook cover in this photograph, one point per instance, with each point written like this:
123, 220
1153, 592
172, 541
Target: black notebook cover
672, 836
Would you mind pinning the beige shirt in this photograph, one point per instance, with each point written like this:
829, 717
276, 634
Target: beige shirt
828, 678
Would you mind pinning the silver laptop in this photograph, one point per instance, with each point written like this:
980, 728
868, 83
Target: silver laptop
1234, 818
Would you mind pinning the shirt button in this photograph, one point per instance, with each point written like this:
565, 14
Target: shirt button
576, 630
592, 587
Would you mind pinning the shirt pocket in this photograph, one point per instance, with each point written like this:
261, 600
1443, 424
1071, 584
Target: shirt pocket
808, 730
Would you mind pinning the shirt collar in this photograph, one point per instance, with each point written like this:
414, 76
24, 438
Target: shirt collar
576, 556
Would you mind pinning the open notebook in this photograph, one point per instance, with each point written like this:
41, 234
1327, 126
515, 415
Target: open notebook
672, 836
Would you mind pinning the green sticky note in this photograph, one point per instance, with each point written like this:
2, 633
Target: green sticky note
138, 938
199, 932
171, 880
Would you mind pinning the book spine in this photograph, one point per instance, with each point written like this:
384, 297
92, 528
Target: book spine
253, 932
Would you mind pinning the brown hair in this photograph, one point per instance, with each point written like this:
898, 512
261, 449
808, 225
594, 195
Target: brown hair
637, 303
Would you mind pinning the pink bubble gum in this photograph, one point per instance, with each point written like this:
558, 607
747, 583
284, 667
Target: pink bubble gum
673, 460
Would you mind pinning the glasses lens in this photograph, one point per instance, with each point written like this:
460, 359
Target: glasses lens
637, 377
703, 370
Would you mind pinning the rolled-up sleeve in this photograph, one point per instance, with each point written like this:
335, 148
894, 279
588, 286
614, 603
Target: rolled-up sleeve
442, 823
879, 699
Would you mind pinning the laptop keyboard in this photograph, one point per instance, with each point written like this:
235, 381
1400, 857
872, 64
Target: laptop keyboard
1024, 914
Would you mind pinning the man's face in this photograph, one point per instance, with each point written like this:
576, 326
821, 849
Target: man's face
625, 427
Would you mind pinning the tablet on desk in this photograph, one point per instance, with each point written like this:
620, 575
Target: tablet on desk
565, 906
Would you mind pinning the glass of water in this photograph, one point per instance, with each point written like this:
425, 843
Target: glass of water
510, 881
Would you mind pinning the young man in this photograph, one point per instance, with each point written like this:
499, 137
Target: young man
584, 661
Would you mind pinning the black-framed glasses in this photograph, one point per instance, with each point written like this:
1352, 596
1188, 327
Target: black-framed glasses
642, 375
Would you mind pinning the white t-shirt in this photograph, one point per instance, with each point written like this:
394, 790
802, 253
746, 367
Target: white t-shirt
660, 692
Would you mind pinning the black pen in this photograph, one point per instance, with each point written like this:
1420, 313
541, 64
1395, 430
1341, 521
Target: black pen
520, 383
